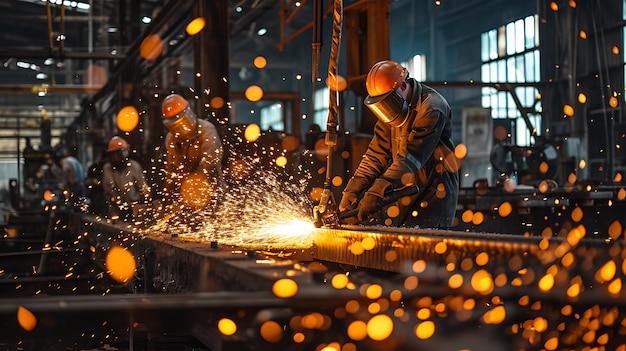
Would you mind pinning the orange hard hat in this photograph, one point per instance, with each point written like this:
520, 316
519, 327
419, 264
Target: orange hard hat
178, 117
117, 143
173, 105
384, 76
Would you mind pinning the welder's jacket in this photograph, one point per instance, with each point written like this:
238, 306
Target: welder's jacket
125, 185
421, 151
202, 154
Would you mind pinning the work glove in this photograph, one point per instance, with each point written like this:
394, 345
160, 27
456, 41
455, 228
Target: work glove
350, 194
372, 201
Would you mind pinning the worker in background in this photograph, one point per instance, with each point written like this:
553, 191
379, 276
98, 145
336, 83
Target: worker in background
193, 148
412, 145
123, 181
73, 175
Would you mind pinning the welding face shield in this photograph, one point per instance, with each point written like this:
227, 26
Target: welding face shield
183, 124
390, 108
178, 117
117, 157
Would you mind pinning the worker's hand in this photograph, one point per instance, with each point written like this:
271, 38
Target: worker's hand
372, 201
351, 192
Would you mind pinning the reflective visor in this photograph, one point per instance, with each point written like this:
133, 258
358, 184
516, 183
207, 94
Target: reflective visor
182, 125
390, 108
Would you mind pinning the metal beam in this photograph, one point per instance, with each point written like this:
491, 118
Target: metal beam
13, 89
37, 53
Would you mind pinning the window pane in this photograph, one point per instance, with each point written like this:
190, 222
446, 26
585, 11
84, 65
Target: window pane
502, 99
484, 46
529, 27
493, 72
272, 117
536, 30
486, 97
502, 71
510, 69
529, 68
523, 135
537, 66
493, 44
418, 68
320, 113
320, 118
510, 38
501, 42
519, 36
484, 73
530, 96
519, 68
521, 95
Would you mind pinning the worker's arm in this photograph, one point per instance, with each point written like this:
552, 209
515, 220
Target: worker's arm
212, 151
140, 180
378, 154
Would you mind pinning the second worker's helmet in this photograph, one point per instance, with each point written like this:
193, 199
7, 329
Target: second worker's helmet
383, 98
118, 149
178, 117
118, 143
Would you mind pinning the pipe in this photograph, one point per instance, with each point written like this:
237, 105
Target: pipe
49, 12
326, 199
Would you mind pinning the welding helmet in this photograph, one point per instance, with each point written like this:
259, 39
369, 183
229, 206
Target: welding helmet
118, 150
384, 99
178, 117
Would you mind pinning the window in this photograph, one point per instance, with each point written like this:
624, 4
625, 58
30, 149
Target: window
272, 117
417, 67
320, 107
510, 53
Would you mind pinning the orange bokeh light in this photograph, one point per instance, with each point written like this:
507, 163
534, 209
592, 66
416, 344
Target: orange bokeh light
195, 26
26, 319
217, 102
260, 62
379, 327
460, 151
568, 110
127, 118
120, 264
151, 47
226, 326
254, 93
285, 288
252, 132
271, 331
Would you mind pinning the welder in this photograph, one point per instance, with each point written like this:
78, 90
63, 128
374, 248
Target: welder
411, 146
123, 181
193, 147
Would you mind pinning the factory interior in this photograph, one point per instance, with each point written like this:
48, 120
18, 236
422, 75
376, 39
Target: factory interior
535, 258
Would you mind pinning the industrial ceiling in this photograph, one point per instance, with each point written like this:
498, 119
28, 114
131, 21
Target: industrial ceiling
56, 55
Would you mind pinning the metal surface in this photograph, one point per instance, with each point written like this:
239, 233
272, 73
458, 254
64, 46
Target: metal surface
182, 288
177, 265
396, 249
